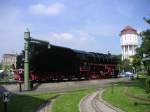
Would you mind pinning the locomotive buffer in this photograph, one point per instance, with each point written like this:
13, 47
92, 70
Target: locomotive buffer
27, 44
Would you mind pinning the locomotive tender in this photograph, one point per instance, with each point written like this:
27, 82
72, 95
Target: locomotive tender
60, 63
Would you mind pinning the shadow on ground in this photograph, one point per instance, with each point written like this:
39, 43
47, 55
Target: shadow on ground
27, 102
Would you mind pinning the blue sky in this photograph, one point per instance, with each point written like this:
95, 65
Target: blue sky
91, 25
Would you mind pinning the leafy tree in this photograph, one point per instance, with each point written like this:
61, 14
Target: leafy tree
124, 65
0, 66
117, 59
137, 61
147, 83
144, 49
145, 46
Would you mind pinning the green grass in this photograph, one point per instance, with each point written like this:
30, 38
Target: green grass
126, 103
138, 89
69, 102
26, 102
138, 92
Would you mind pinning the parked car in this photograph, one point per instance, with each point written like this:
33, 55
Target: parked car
126, 74
121, 74
133, 76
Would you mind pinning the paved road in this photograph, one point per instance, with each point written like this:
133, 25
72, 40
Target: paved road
63, 86
92, 103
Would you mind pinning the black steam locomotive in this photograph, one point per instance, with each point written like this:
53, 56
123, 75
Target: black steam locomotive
60, 63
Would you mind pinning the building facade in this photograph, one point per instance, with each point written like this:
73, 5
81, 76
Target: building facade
128, 42
9, 60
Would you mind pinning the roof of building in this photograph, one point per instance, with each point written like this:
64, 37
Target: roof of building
8, 55
128, 29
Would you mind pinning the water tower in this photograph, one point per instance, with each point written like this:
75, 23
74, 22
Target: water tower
128, 42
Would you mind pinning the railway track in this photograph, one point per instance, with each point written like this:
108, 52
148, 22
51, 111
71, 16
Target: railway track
91, 103
95, 104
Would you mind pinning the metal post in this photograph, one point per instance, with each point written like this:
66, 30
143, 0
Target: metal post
5, 100
5, 106
20, 88
26, 60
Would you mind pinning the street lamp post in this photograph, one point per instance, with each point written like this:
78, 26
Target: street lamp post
26, 59
28, 39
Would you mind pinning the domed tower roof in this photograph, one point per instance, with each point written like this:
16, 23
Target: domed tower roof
128, 30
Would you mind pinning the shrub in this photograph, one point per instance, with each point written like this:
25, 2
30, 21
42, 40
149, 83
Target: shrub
147, 83
142, 73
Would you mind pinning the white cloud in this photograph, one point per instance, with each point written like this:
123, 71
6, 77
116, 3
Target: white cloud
62, 37
74, 40
53, 9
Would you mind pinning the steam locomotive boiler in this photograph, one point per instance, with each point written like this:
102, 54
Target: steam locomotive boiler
60, 63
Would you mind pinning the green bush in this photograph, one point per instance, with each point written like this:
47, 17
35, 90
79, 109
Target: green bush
141, 73
147, 83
